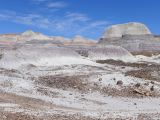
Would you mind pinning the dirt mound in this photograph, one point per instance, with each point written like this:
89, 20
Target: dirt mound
121, 63
65, 82
128, 92
151, 72
143, 73
146, 53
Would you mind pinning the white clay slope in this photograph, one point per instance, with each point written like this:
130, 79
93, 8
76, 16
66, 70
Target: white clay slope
41, 56
110, 52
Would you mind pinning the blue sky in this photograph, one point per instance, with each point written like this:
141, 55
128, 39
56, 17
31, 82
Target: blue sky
71, 17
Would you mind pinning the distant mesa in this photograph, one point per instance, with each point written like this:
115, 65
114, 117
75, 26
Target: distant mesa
25, 36
8, 39
80, 40
135, 37
30, 35
77, 40
60, 38
131, 28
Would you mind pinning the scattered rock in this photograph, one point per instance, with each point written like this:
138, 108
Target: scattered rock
137, 85
100, 79
135, 103
142, 92
152, 88
146, 84
84, 83
123, 67
95, 84
82, 95
120, 82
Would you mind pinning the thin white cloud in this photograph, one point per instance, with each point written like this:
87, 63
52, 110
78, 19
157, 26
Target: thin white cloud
50, 4
69, 24
27, 19
39, 0
57, 4
77, 17
97, 25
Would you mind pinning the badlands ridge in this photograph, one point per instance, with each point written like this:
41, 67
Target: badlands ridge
56, 78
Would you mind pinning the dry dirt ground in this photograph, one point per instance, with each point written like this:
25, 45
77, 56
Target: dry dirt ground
103, 90
148, 71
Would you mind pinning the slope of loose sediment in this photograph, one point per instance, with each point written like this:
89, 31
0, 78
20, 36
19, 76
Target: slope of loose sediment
109, 52
41, 56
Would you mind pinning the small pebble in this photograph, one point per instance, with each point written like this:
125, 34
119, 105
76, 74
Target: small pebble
146, 84
120, 82
152, 88
100, 79
152, 82
137, 85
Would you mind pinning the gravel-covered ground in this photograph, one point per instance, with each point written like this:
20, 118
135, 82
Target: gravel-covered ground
83, 89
